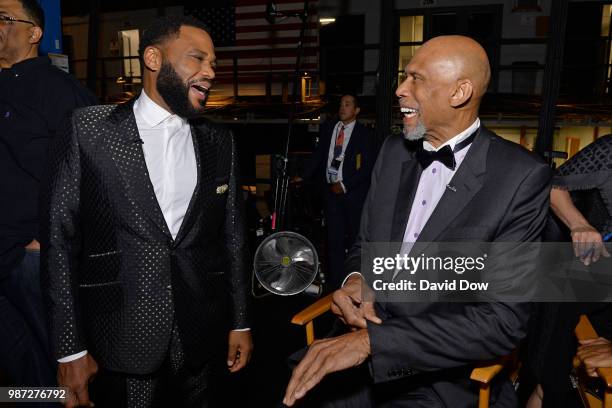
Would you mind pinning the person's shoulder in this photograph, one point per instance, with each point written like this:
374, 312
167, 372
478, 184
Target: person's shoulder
510, 153
64, 86
396, 143
57, 77
208, 128
362, 128
94, 113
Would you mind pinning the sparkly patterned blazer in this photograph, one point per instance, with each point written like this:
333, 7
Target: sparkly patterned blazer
113, 277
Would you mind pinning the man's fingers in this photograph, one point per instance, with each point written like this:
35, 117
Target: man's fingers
370, 313
591, 342
298, 372
82, 395
351, 314
71, 401
310, 380
238, 364
231, 354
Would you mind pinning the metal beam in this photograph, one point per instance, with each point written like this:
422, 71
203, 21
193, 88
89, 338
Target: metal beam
386, 71
92, 45
552, 75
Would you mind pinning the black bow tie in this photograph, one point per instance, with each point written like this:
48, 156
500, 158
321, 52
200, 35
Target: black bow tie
445, 156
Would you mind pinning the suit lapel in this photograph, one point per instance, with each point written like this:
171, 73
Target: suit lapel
409, 181
353, 142
466, 183
126, 151
206, 160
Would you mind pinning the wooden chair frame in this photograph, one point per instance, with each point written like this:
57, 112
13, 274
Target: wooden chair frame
585, 331
482, 374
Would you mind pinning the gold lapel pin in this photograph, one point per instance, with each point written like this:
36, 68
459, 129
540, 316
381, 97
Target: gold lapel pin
221, 189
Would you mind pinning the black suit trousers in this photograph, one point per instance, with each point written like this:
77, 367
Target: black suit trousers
176, 383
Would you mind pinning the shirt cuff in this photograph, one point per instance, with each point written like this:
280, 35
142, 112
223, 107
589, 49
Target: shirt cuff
72, 357
245, 329
349, 275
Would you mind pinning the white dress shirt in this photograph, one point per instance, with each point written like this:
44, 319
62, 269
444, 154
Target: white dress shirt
171, 163
431, 187
348, 130
432, 184
170, 157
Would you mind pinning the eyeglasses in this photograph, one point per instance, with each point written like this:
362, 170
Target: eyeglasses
10, 20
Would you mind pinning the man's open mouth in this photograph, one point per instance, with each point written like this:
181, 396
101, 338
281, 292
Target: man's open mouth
201, 89
409, 112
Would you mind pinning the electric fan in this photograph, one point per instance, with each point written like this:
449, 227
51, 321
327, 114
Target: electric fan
287, 263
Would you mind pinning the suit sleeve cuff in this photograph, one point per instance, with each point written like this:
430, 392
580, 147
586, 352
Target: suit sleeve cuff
72, 357
349, 275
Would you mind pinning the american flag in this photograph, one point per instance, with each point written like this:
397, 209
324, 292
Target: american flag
240, 31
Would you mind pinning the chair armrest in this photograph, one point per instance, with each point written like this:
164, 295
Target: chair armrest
313, 311
605, 373
585, 331
485, 374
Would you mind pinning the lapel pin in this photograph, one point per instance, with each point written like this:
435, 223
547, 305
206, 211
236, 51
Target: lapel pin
451, 188
221, 189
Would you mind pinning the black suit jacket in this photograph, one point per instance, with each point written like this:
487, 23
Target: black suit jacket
113, 277
501, 196
359, 158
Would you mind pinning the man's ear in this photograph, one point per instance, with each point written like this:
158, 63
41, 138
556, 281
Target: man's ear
36, 34
152, 58
462, 93
357, 110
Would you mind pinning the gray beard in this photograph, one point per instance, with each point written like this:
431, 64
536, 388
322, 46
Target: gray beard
415, 133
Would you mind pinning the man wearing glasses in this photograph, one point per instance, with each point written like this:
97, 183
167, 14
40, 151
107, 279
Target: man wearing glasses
34, 99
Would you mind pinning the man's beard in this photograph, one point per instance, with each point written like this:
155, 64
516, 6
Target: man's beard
175, 92
415, 133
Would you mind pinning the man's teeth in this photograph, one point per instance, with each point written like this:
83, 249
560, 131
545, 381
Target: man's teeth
200, 88
409, 112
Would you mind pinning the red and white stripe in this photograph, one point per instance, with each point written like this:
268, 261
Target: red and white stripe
263, 48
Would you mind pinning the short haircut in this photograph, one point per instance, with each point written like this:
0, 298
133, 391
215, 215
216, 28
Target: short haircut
34, 11
164, 28
355, 99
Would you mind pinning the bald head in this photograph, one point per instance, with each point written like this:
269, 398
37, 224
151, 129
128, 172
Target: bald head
460, 58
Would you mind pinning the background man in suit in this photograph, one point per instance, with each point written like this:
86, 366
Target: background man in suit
420, 353
144, 251
342, 162
35, 97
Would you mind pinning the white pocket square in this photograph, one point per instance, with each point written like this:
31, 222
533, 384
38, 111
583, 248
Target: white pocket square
221, 189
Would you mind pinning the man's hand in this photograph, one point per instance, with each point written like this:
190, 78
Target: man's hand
336, 188
76, 376
34, 245
588, 244
594, 354
351, 306
325, 357
240, 349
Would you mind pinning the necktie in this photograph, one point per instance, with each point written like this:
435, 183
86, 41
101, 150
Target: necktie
339, 143
445, 155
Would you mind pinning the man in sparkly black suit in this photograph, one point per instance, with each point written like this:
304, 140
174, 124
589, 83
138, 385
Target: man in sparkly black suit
144, 256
